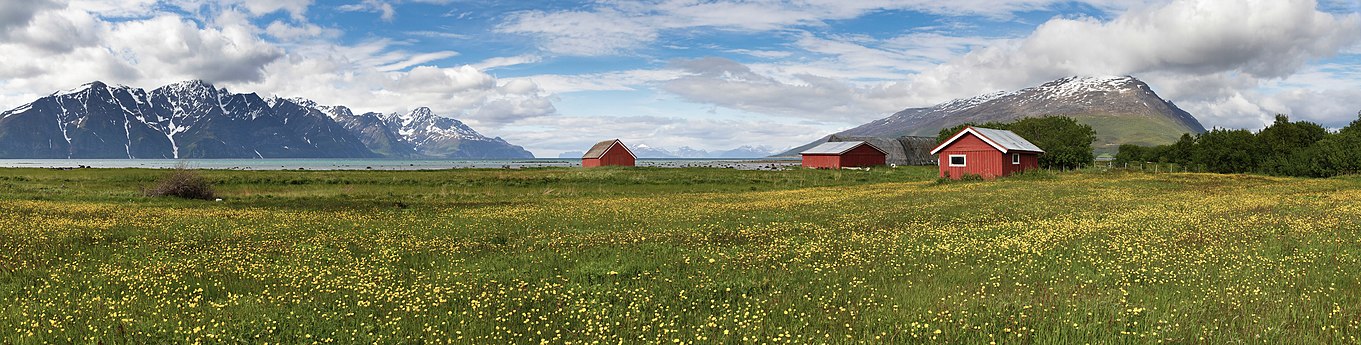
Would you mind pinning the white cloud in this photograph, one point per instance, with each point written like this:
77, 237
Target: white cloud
1257, 38
171, 46
114, 8
582, 33
417, 59
507, 61
617, 27
1208, 56
439, 34
296, 8
544, 136
286, 32
17, 14
385, 9
731, 84
765, 54
64, 47
55, 31
608, 81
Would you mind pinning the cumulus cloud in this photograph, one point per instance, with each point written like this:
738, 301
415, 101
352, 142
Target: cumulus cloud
1180, 42
63, 46
17, 14
169, 45
55, 31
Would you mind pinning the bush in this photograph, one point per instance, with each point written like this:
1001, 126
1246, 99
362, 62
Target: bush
182, 183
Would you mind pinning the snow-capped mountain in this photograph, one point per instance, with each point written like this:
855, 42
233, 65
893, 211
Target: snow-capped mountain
193, 119
1122, 110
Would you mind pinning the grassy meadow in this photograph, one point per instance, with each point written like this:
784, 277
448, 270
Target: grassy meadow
640, 255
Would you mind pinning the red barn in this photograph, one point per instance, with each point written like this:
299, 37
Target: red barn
608, 153
986, 152
843, 154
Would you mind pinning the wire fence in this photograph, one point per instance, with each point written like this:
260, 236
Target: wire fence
1150, 167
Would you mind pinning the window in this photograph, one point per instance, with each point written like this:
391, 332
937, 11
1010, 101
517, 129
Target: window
957, 160
1015, 158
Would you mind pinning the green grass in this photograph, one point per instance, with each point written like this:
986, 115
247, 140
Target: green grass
679, 255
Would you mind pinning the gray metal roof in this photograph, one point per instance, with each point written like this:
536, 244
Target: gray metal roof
835, 148
1008, 140
901, 150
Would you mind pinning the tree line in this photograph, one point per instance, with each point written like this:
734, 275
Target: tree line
1066, 143
1284, 148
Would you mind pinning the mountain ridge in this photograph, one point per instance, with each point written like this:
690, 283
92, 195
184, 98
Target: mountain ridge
1121, 109
194, 119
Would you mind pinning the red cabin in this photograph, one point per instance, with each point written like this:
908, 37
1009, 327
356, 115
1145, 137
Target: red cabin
986, 152
843, 154
608, 153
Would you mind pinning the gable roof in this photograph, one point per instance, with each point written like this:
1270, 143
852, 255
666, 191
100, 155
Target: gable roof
1002, 140
837, 147
600, 148
901, 150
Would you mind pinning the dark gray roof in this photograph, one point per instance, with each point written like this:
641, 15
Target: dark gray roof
901, 150
599, 149
835, 148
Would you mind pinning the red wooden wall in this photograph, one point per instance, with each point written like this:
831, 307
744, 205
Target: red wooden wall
615, 156
982, 159
822, 161
1029, 160
861, 156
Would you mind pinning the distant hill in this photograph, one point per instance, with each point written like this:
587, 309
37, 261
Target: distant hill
645, 151
1122, 110
194, 119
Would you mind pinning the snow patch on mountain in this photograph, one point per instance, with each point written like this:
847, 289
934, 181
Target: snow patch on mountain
216, 123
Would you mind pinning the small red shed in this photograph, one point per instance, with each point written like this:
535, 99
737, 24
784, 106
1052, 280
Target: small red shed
986, 152
608, 153
843, 154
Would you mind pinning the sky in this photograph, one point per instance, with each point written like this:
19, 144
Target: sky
558, 76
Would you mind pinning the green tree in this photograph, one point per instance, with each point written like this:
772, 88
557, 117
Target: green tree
1282, 144
1131, 153
1226, 151
1180, 151
1336, 154
1066, 142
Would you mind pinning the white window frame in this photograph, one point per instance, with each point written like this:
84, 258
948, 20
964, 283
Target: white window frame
1015, 159
951, 160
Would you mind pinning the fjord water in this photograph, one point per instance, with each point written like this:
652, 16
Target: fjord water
378, 164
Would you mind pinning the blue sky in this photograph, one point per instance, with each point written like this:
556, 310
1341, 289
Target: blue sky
556, 76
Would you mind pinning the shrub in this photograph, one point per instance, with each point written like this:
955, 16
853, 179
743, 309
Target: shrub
182, 183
